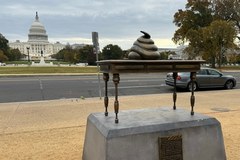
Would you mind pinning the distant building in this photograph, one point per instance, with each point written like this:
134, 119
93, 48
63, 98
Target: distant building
37, 43
77, 46
178, 52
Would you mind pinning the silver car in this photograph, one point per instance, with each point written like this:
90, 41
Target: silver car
205, 78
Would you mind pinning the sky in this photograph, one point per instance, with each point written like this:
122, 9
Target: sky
117, 22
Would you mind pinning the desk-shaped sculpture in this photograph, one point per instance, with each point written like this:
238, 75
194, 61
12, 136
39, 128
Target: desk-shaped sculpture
115, 67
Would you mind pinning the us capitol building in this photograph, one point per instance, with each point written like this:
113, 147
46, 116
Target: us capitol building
37, 44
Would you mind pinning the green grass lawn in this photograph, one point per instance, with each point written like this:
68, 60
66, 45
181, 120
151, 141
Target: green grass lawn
231, 67
62, 69
48, 70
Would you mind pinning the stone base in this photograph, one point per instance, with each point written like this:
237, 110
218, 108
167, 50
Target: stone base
153, 134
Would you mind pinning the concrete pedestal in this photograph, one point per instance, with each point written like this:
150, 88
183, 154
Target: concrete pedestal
140, 135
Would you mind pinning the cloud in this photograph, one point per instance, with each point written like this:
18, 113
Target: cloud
116, 21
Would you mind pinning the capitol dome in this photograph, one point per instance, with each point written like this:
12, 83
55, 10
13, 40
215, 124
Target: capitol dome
37, 32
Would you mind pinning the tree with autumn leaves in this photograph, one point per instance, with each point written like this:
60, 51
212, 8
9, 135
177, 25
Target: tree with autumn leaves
208, 28
7, 53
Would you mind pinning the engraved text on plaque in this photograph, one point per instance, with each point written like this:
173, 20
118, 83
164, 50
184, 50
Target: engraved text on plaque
170, 148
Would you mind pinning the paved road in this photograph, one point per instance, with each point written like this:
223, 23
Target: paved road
18, 89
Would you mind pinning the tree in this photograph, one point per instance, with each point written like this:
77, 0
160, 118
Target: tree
112, 52
91, 55
67, 54
220, 35
198, 14
233, 58
125, 54
164, 55
86, 55
82, 55
4, 45
211, 42
14, 55
208, 34
229, 10
238, 58
60, 55
3, 57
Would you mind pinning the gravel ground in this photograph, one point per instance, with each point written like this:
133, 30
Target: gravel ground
56, 129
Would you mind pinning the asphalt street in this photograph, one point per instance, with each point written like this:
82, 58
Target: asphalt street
37, 88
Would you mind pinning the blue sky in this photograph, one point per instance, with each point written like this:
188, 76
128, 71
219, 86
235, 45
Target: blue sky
73, 21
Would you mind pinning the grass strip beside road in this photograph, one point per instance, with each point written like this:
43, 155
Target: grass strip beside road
229, 68
46, 70
14, 70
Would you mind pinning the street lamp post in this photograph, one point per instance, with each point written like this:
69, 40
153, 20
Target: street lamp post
96, 50
28, 54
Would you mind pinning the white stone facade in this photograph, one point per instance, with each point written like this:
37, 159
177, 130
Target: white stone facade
37, 43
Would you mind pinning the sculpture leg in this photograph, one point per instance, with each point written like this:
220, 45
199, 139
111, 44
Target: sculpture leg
192, 100
116, 80
175, 90
106, 78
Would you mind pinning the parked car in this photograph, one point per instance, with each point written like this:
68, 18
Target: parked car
2, 64
205, 78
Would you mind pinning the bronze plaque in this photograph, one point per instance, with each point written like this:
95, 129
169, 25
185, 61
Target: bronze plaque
170, 148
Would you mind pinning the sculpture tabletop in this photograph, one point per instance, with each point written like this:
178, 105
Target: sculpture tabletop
147, 66
112, 61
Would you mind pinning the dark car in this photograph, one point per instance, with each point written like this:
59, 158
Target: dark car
205, 78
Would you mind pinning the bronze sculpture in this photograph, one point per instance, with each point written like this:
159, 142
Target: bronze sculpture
144, 48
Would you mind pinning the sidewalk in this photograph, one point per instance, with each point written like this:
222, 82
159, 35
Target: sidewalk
55, 129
